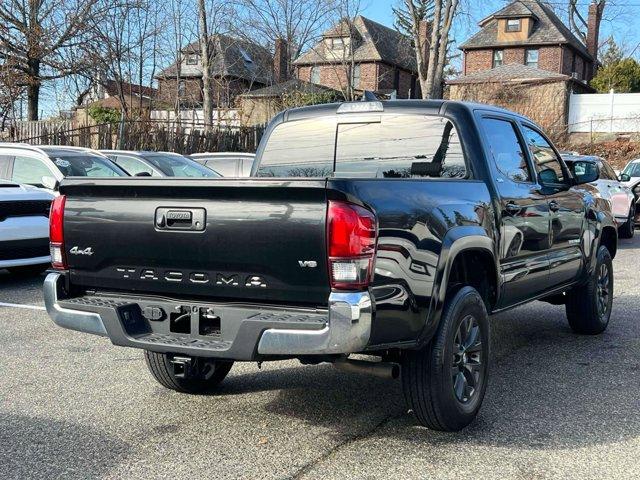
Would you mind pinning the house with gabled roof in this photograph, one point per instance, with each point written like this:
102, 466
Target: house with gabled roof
360, 54
528, 32
238, 66
525, 59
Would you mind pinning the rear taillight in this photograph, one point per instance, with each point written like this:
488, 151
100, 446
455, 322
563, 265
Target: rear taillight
351, 245
56, 233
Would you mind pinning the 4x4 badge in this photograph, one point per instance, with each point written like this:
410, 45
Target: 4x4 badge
78, 251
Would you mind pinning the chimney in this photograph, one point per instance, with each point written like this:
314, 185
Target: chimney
280, 61
593, 29
424, 32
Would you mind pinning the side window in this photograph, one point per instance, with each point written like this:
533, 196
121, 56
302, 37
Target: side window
29, 170
506, 149
133, 166
607, 172
547, 164
6, 164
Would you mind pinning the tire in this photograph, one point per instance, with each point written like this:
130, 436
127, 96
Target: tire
589, 306
205, 373
628, 228
431, 375
28, 270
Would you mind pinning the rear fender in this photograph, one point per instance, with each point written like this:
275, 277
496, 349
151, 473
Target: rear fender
456, 241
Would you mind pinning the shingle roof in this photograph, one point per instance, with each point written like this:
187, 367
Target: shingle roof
375, 42
229, 60
512, 72
294, 85
111, 87
547, 29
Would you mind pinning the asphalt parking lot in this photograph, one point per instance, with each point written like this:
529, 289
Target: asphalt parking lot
558, 406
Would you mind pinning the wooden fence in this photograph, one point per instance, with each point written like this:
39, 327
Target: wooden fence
150, 135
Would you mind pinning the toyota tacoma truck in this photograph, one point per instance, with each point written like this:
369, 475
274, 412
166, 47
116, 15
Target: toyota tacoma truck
388, 229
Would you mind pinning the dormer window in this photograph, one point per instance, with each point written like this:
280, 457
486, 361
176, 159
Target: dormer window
514, 25
337, 44
192, 58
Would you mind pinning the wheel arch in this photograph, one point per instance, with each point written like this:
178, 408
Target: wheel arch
463, 247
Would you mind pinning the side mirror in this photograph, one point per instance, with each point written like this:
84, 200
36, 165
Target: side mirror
548, 176
588, 172
142, 174
624, 177
50, 182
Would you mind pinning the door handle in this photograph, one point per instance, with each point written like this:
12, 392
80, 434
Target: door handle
553, 206
512, 208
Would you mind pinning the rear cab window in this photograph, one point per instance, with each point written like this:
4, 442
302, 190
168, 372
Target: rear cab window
385, 146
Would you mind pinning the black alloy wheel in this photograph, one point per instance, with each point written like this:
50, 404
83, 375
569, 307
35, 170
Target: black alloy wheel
466, 371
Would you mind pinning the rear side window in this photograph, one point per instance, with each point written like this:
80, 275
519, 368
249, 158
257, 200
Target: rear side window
400, 146
6, 162
506, 149
133, 166
395, 146
29, 170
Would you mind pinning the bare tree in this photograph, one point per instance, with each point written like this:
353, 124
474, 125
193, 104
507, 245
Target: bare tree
431, 72
299, 22
40, 38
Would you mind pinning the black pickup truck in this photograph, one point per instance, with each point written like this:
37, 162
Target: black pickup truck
389, 229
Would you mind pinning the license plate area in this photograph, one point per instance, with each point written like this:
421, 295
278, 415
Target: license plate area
194, 320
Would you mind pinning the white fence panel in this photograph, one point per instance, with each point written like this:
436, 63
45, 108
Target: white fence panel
32, 129
604, 113
226, 117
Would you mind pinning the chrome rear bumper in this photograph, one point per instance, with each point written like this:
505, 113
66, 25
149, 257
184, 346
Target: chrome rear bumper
247, 332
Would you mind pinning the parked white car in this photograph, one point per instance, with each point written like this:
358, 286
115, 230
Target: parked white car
630, 178
227, 164
24, 228
45, 166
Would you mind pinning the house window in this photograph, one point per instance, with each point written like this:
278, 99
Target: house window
498, 56
514, 25
182, 88
355, 76
315, 75
192, 59
531, 58
337, 44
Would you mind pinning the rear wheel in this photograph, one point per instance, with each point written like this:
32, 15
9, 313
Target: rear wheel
589, 306
628, 228
186, 374
444, 383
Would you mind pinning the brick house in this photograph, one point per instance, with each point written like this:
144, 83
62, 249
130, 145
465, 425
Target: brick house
525, 59
238, 66
528, 32
361, 55
541, 95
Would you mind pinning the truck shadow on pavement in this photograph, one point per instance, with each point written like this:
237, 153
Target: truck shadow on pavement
43, 448
549, 388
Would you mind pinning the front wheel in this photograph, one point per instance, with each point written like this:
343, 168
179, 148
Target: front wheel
198, 375
588, 306
444, 383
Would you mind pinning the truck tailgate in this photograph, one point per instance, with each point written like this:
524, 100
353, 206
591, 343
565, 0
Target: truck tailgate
223, 239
